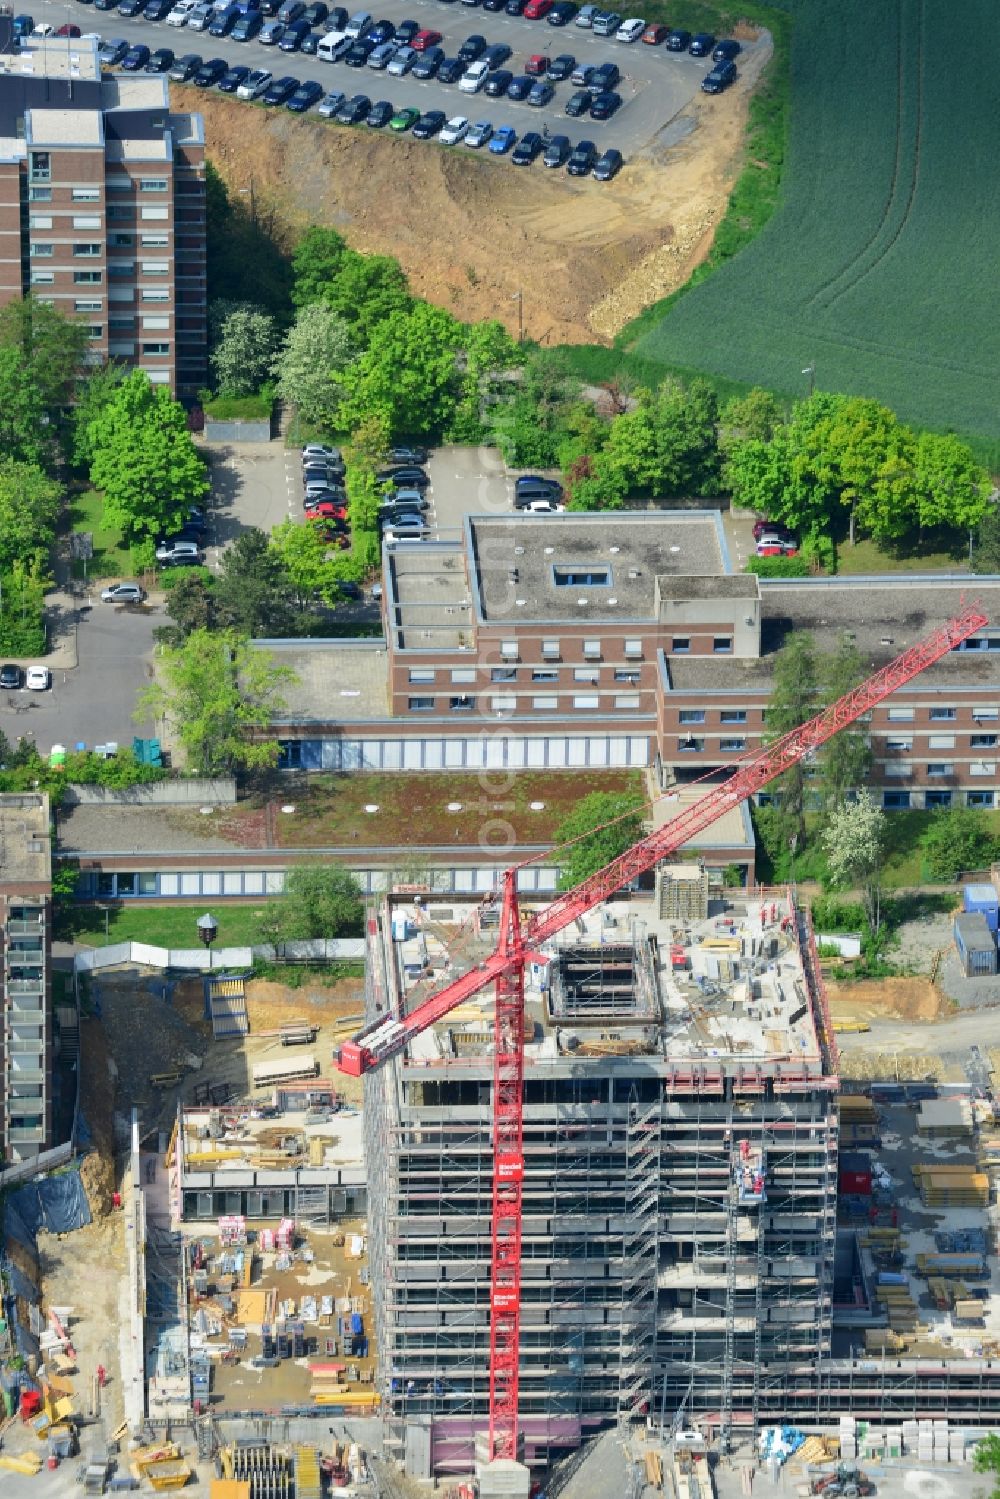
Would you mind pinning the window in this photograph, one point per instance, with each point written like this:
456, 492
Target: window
420, 704
156, 322
42, 278
161, 349
154, 241
582, 576
89, 306
508, 648
592, 649
550, 703
680, 645
939, 768
87, 249
690, 746
550, 648
633, 647
627, 700
503, 674
937, 715
983, 741
119, 349
722, 645
152, 184
122, 323
985, 715
896, 768
40, 221
95, 331
733, 746
503, 704
86, 195
463, 704
154, 267
898, 746
42, 251
586, 700
732, 715
940, 741
937, 798
540, 674
982, 767
421, 676
40, 166
896, 801
86, 221
900, 715
123, 241
586, 674
158, 295
154, 214
120, 211
691, 715
39, 195
464, 675
980, 798
121, 268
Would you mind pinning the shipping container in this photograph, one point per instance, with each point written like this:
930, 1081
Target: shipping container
984, 899
855, 1173
975, 944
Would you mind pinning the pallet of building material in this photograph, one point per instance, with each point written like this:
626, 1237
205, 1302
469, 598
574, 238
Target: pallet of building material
952, 1265
970, 1309
654, 1469
941, 1292
884, 1340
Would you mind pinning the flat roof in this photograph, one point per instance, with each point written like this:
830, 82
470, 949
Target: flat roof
25, 845
335, 680
64, 127
428, 596
536, 567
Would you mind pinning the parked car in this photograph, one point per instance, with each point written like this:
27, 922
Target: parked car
561, 13
504, 139
404, 119
606, 23
719, 79
406, 528
316, 13
185, 67
182, 9
473, 78
174, 551
541, 93
532, 487
38, 679
135, 58
428, 125
537, 10
354, 110
11, 676
381, 31
585, 17
160, 61
223, 21
122, 593
157, 10
472, 48
450, 70
402, 60
271, 33
655, 35
497, 83
543, 507
515, 7
556, 153
200, 18
678, 40
331, 104
406, 31
630, 30
309, 44
358, 53
701, 44
427, 63
380, 114
235, 76
528, 148
359, 23
582, 159
561, 67
127, 9
253, 84
605, 105
112, 52
406, 499
381, 55
577, 104
247, 27
536, 65
608, 165
405, 475
294, 36
604, 76
305, 96
520, 87
479, 134
409, 454
726, 50
454, 130
280, 91
210, 72
426, 38
496, 55
766, 528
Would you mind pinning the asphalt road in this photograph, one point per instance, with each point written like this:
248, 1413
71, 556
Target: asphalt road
655, 84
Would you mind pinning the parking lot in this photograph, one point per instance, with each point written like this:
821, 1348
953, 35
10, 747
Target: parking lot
654, 87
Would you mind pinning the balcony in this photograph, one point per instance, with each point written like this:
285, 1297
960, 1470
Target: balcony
25, 926
33, 988
33, 1136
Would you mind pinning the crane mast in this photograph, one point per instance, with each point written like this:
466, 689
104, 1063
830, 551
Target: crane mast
504, 968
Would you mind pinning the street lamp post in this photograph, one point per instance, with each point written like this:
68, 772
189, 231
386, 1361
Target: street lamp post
208, 930
810, 370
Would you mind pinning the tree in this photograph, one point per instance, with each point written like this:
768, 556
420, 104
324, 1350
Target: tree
846, 758
307, 560
854, 840
321, 900
367, 290
687, 419
794, 700
408, 373
600, 827
24, 434
756, 415
29, 509
217, 694
144, 459
244, 353
952, 488
51, 346
958, 839
316, 261
986, 551
191, 606
94, 392
311, 363
253, 592
987, 1459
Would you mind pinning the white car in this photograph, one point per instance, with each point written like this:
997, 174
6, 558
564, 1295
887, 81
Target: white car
543, 507
179, 15
479, 134
454, 130
254, 84
406, 528
38, 679
474, 77
122, 593
43, 29
630, 30
319, 452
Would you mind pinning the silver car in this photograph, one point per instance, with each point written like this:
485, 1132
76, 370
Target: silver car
254, 84
122, 593
382, 55
402, 61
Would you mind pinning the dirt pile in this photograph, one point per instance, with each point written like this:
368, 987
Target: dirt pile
471, 232
899, 999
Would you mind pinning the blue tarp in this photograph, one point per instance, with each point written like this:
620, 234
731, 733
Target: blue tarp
779, 1442
55, 1203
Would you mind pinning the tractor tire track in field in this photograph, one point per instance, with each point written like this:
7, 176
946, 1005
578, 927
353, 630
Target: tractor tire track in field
914, 170
826, 293
918, 359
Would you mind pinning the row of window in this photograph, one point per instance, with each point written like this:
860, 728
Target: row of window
629, 701
425, 676
697, 715
100, 884
691, 746
900, 801
95, 278
942, 741
485, 748
593, 650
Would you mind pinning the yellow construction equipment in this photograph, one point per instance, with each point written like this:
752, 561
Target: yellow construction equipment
850, 1027
27, 1464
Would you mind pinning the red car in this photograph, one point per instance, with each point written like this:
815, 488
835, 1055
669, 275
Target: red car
67, 29
654, 35
776, 549
425, 39
327, 511
536, 9
771, 528
536, 65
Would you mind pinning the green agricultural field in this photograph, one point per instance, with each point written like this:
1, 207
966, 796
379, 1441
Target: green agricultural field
880, 264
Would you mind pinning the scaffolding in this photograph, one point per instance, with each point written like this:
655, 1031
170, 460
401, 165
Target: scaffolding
639, 1255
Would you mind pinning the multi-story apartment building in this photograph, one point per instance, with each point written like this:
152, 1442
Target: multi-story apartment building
102, 207
25, 920
596, 641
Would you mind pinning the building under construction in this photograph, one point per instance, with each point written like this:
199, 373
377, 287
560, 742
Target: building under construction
680, 1177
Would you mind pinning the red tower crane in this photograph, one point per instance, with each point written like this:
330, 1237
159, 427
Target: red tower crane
388, 1036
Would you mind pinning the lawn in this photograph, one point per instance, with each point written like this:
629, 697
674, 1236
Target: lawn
111, 558
904, 866
413, 810
865, 557
877, 265
166, 926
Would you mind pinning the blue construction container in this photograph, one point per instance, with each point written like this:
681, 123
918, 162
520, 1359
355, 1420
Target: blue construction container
357, 1326
976, 944
983, 898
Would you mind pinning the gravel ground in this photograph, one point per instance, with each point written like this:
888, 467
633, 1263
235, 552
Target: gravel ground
922, 940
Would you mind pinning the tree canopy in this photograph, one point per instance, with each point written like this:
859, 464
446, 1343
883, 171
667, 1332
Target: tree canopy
606, 823
310, 365
958, 839
320, 901
244, 351
854, 840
